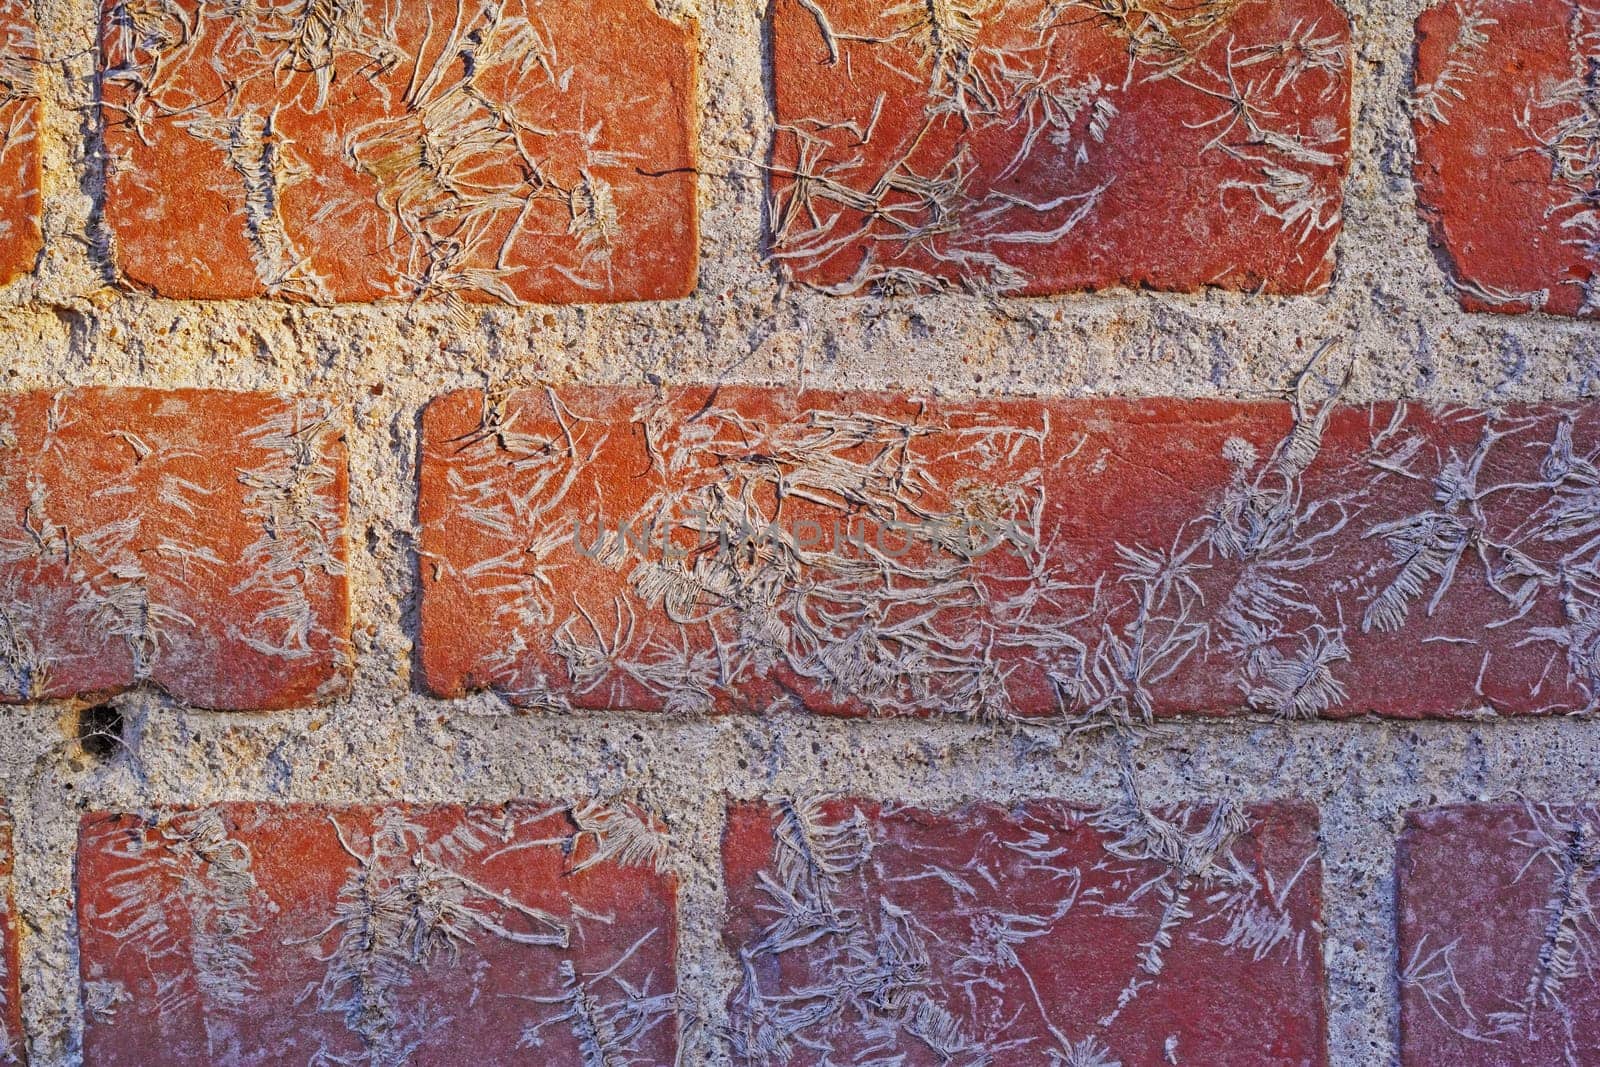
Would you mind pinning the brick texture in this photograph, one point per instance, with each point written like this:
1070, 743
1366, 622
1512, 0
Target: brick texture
1038, 147
527, 151
251, 934
1506, 133
875, 554
13, 1044
1040, 934
19, 140
1499, 936
191, 539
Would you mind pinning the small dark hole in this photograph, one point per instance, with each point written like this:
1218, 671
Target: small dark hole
100, 730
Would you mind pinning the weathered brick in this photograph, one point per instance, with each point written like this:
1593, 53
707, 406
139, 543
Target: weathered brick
874, 554
1039, 146
532, 150
19, 140
193, 539
1499, 936
1035, 934
1506, 133
13, 1043
254, 933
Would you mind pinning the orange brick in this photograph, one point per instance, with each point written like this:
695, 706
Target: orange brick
1039, 147
535, 150
259, 933
13, 1039
19, 140
876, 554
192, 539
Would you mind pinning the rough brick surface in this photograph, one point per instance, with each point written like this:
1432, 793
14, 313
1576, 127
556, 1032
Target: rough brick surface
1499, 936
1035, 935
13, 1044
251, 934
19, 140
534, 150
873, 554
1507, 130
1039, 146
192, 539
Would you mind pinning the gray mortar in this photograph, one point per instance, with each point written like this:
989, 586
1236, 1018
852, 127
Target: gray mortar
1389, 305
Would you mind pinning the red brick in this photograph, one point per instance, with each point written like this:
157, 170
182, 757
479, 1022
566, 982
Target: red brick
192, 539
533, 150
13, 1038
1499, 936
254, 933
1506, 135
19, 140
1115, 558
1038, 147
1036, 934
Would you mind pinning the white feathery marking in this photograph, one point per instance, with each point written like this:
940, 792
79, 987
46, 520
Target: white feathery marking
186, 892
1432, 99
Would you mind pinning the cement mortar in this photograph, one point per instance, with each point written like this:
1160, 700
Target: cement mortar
1389, 309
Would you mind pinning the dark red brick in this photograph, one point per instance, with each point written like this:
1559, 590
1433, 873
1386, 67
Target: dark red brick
1112, 558
192, 539
1039, 934
254, 933
19, 140
1499, 936
1506, 138
532, 150
1038, 146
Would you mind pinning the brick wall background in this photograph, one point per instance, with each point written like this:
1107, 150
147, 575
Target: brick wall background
1490, 941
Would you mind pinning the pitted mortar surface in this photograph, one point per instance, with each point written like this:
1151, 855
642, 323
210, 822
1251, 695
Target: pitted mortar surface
1389, 309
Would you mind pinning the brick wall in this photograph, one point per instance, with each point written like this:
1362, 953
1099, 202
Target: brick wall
1028, 530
